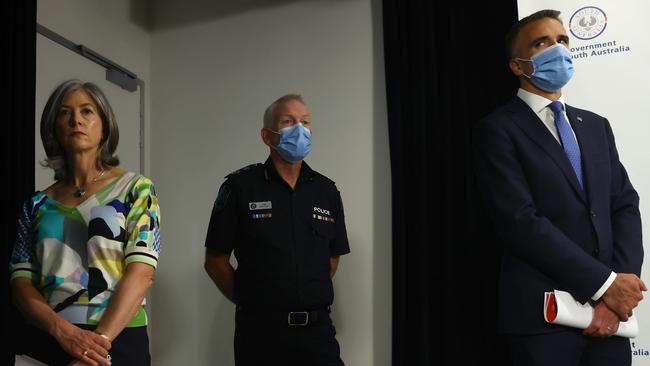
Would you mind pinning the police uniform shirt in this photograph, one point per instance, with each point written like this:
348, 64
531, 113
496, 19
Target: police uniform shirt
282, 238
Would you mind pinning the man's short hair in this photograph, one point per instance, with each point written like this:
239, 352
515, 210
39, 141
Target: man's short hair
513, 33
269, 113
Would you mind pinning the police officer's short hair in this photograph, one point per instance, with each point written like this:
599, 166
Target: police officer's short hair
270, 110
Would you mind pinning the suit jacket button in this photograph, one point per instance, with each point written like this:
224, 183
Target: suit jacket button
593, 214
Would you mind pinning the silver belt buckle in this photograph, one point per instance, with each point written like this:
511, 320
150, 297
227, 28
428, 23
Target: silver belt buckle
306, 313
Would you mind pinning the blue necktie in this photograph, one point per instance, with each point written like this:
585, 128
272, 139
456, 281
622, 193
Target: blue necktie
569, 142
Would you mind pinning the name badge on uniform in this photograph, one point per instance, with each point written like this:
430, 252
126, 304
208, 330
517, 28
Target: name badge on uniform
265, 205
322, 214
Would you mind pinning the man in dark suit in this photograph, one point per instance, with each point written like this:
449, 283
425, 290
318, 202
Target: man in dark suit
563, 205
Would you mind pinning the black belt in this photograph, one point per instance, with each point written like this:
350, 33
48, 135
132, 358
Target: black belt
298, 318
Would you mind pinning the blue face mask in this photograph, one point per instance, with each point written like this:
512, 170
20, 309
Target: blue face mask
552, 68
295, 143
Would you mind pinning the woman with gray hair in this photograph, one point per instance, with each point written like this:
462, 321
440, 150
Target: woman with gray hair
88, 245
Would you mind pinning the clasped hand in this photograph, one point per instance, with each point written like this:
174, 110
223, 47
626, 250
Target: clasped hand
616, 305
88, 348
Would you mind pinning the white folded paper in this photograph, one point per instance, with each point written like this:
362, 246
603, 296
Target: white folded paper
561, 308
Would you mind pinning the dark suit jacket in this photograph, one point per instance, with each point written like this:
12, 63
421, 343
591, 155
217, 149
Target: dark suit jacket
555, 235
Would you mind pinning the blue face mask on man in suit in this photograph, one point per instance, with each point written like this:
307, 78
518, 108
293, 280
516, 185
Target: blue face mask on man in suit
552, 68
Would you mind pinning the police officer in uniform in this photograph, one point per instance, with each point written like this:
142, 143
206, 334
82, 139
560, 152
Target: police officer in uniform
285, 224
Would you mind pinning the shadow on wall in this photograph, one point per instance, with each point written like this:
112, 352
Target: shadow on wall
140, 12
382, 216
222, 329
165, 14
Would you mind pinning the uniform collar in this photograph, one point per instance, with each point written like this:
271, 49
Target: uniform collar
306, 172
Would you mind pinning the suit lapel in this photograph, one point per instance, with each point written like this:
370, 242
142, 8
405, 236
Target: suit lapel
528, 121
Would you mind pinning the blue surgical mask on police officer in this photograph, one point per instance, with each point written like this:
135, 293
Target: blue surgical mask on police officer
295, 142
552, 68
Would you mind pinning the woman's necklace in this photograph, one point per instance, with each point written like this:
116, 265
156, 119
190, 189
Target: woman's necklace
81, 190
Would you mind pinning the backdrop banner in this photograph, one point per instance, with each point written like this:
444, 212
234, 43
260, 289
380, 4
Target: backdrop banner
610, 47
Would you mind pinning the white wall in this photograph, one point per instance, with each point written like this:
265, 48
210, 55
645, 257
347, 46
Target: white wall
215, 68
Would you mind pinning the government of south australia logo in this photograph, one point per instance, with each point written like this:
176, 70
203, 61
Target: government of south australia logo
588, 22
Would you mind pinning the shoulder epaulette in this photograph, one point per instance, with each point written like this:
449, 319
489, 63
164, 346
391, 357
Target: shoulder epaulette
242, 170
324, 177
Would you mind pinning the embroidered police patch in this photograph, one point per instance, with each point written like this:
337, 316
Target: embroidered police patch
222, 197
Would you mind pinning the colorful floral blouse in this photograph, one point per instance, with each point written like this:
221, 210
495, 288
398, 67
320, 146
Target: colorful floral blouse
76, 256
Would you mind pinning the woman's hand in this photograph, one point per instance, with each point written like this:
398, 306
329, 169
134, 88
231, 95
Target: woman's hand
74, 340
87, 347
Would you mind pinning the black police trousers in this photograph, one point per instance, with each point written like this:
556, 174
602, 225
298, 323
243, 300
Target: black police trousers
260, 340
